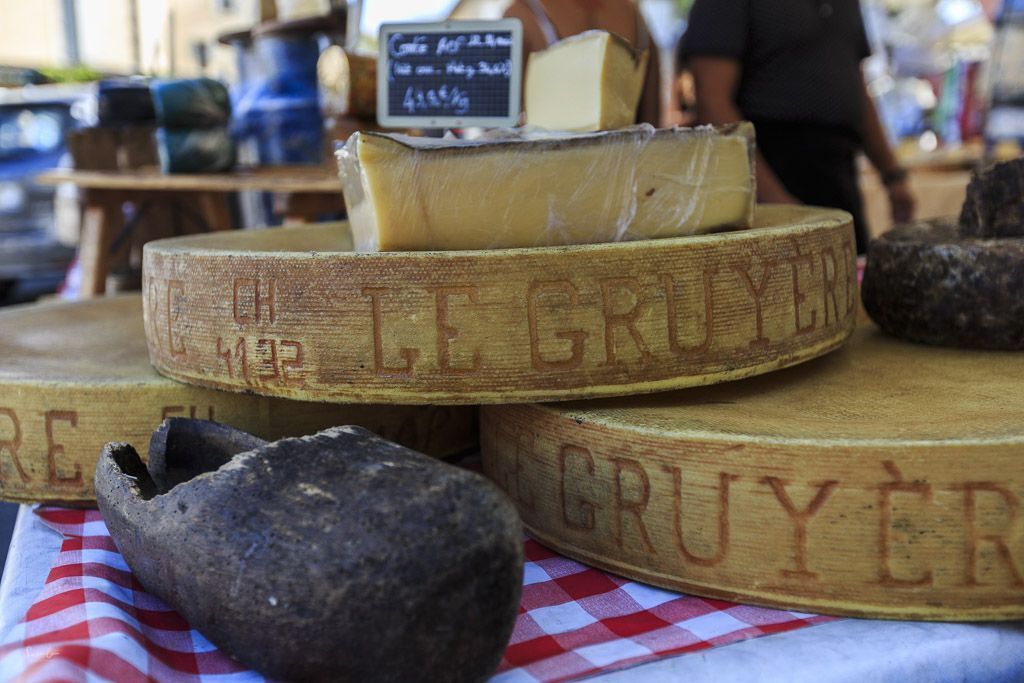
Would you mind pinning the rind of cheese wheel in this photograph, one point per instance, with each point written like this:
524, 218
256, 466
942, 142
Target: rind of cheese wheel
407, 193
587, 82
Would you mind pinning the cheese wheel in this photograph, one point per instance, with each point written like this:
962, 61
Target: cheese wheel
291, 313
994, 206
74, 376
928, 282
885, 480
956, 283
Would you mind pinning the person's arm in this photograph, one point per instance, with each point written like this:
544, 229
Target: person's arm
649, 109
876, 147
715, 82
533, 36
533, 41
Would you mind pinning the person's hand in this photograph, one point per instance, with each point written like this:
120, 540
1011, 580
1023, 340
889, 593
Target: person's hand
901, 201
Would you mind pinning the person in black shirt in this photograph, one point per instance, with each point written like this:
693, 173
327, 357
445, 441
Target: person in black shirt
792, 67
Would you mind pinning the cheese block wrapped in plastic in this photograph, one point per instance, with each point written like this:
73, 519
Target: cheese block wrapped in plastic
525, 190
590, 81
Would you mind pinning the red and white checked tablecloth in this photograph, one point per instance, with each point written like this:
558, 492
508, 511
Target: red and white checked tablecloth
93, 621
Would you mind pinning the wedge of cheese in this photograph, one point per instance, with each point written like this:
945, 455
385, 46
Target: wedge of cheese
407, 193
591, 81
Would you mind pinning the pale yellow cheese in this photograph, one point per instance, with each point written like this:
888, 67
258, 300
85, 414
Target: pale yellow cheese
406, 193
591, 81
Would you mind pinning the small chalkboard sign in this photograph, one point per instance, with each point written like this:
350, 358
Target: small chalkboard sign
450, 74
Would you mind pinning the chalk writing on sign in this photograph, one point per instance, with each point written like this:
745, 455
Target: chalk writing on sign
450, 73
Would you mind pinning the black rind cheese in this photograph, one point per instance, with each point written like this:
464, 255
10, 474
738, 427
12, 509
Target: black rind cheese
926, 282
334, 557
995, 202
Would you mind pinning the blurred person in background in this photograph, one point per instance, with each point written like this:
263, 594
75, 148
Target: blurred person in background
792, 67
548, 21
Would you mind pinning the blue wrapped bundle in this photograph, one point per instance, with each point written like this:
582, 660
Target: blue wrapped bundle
184, 150
289, 130
290, 61
191, 103
124, 102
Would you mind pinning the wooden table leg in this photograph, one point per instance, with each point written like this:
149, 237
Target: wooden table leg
215, 210
101, 221
157, 221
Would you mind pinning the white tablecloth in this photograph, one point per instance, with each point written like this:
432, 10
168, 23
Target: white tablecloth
847, 651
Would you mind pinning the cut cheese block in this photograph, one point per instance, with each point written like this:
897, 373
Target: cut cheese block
74, 376
885, 480
290, 313
590, 81
406, 193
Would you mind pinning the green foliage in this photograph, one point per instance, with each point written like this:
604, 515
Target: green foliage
71, 74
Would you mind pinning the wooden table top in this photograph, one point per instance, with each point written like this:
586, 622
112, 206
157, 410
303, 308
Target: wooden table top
315, 179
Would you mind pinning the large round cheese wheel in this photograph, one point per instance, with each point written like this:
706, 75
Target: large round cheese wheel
884, 480
293, 313
74, 376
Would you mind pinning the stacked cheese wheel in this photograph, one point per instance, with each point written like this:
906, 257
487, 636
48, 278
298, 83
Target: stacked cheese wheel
528, 268
956, 283
813, 488
74, 376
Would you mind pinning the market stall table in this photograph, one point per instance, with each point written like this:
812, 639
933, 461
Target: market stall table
837, 651
938, 193
312, 190
937, 179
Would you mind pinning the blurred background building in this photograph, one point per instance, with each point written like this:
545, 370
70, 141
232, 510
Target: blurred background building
167, 37
928, 70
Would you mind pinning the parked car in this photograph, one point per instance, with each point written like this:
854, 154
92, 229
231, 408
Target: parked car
17, 76
33, 123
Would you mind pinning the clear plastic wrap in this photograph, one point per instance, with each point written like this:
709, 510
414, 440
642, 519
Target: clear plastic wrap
526, 189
